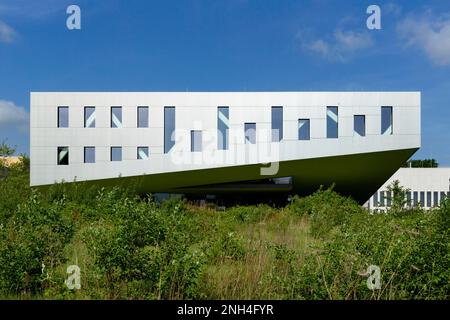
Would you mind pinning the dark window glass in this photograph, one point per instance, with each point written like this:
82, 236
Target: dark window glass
277, 124
142, 153
332, 122
388, 198
415, 198
142, 117
386, 120
116, 117
422, 198
116, 153
89, 154
63, 117
375, 199
303, 129
196, 141
428, 199
89, 117
222, 128
408, 198
250, 132
359, 125
382, 198
435, 199
169, 128
63, 156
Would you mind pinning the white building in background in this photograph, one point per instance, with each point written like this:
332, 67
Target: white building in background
224, 142
427, 188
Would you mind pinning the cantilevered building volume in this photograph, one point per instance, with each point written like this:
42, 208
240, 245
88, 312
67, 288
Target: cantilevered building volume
224, 142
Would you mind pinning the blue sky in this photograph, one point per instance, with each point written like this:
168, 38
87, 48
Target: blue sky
227, 45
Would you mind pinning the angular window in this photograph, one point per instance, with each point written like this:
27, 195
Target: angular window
435, 199
250, 132
116, 153
332, 122
116, 117
222, 128
63, 117
142, 153
359, 125
89, 117
415, 199
142, 117
169, 128
196, 141
277, 124
63, 156
303, 129
386, 120
89, 154
429, 199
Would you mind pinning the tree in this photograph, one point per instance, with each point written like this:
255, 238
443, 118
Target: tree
5, 150
423, 163
397, 194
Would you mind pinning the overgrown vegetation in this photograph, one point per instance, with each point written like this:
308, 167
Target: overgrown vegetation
129, 247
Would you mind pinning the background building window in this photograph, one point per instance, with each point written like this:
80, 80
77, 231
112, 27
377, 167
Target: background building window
386, 120
196, 141
375, 199
250, 132
408, 198
428, 199
169, 128
303, 129
435, 199
359, 125
222, 128
89, 154
415, 199
422, 198
63, 156
63, 117
142, 153
277, 124
116, 153
89, 117
382, 198
142, 117
116, 117
332, 122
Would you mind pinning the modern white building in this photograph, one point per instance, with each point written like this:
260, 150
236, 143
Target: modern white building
221, 142
426, 188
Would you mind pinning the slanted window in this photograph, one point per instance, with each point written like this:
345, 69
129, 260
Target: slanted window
169, 128
116, 117
63, 156
359, 125
142, 153
304, 129
89, 154
332, 122
196, 141
63, 117
89, 117
277, 124
116, 153
142, 117
222, 128
250, 132
386, 121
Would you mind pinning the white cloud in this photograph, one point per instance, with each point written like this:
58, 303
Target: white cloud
340, 46
13, 116
7, 34
431, 34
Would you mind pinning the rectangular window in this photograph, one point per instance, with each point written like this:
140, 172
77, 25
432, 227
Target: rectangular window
277, 124
223, 127
116, 153
63, 117
89, 154
89, 117
415, 199
142, 117
382, 198
422, 198
332, 122
116, 117
359, 125
63, 156
169, 128
408, 198
435, 199
429, 199
196, 141
388, 198
142, 153
443, 196
303, 129
250, 132
375, 199
386, 120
